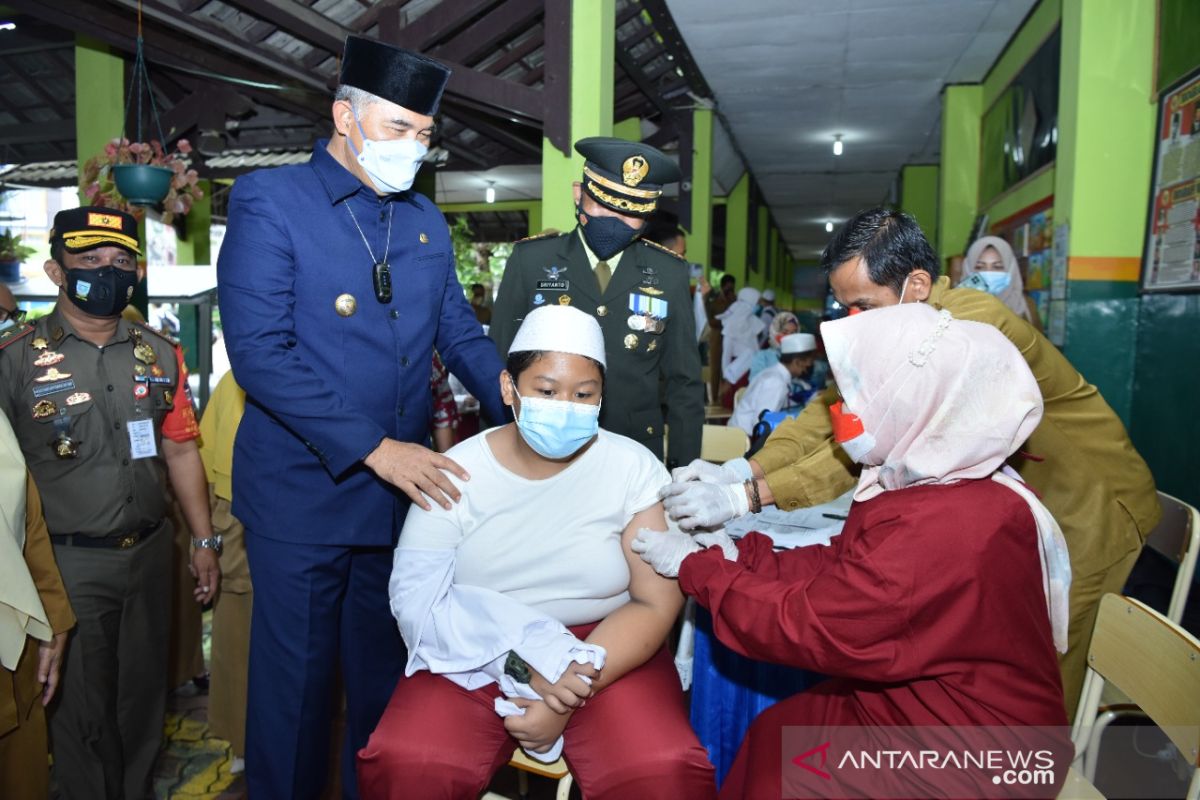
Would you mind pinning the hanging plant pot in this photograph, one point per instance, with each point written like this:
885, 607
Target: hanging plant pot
142, 184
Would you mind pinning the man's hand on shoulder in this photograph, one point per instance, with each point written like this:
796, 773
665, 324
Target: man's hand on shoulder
417, 471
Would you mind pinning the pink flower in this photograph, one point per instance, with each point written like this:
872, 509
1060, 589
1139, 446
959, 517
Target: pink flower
92, 190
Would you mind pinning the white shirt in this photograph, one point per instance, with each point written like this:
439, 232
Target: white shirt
768, 390
552, 544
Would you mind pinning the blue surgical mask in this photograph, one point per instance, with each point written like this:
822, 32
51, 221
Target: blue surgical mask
391, 164
607, 236
556, 429
6, 324
996, 282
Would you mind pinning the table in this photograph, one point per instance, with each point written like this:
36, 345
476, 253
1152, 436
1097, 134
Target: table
165, 283
730, 690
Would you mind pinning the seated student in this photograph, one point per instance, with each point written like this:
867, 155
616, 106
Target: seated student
785, 324
781, 386
527, 587
944, 598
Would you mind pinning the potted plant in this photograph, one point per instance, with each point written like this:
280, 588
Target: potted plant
130, 175
12, 253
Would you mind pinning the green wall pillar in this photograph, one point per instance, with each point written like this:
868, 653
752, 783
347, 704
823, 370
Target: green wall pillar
593, 33
958, 178
629, 128
1106, 130
99, 97
919, 196
700, 236
758, 278
737, 229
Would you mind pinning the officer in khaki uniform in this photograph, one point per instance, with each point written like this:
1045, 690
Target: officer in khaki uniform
637, 291
102, 413
34, 619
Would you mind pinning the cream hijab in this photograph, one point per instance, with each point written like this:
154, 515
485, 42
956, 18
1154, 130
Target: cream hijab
21, 611
1013, 295
946, 400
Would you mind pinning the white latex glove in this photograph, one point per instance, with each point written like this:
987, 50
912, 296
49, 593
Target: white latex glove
664, 550
708, 472
719, 539
696, 504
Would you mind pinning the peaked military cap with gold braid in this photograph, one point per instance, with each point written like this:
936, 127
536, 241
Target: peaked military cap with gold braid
89, 227
625, 176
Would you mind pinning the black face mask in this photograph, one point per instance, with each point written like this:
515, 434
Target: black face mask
607, 236
101, 292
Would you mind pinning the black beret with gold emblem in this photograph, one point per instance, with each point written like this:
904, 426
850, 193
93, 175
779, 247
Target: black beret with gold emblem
625, 176
397, 75
89, 227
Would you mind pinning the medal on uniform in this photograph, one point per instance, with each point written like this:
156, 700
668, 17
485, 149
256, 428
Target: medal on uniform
57, 333
653, 344
144, 353
140, 391
637, 322
44, 409
631, 341
52, 374
564, 299
156, 371
168, 397
345, 305
48, 358
65, 447
539, 299
39, 343
77, 398
650, 290
139, 370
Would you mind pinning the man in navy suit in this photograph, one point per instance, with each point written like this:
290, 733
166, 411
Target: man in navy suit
336, 282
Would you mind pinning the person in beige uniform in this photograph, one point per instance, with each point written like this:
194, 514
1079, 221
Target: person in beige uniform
35, 617
102, 413
231, 611
1079, 459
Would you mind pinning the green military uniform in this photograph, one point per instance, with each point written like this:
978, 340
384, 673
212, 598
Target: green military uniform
1079, 459
72, 405
556, 269
636, 290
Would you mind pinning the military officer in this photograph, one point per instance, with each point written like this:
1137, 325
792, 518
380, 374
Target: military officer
336, 282
637, 290
102, 413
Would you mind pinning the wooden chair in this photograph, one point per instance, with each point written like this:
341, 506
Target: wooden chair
1156, 664
525, 766
1176, 538
719, 443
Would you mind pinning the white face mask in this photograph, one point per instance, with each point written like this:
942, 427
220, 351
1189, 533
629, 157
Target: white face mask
391, 164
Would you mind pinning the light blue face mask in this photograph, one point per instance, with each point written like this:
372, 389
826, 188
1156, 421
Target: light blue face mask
996, 282
6, 324
392, 164
556, 429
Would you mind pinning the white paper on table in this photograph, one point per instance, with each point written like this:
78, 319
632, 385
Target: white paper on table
799, 528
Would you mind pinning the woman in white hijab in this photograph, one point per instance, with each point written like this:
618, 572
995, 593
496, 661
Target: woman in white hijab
943, 600
991, 265
740, 329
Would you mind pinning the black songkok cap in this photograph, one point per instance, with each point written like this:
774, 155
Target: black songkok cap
625, 176
400, 76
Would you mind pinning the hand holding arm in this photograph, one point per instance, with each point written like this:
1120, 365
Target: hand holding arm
570, 691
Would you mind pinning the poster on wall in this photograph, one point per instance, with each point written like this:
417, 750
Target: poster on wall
1171, 261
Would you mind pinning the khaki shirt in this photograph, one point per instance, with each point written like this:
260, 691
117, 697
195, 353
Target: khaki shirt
71, 404
1080, 459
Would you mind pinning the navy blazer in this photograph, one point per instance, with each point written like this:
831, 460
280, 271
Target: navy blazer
324, 389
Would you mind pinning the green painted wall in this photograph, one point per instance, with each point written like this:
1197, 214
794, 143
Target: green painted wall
762, 226
958, 177
1033, 189
1166, 385
1039, 25
592, 40
919, 196
1106, 135
629, 128
99, 97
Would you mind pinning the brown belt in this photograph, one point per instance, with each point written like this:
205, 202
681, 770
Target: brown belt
117, 541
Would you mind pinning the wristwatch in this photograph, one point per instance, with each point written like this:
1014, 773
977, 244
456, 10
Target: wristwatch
516, 668
214, 542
